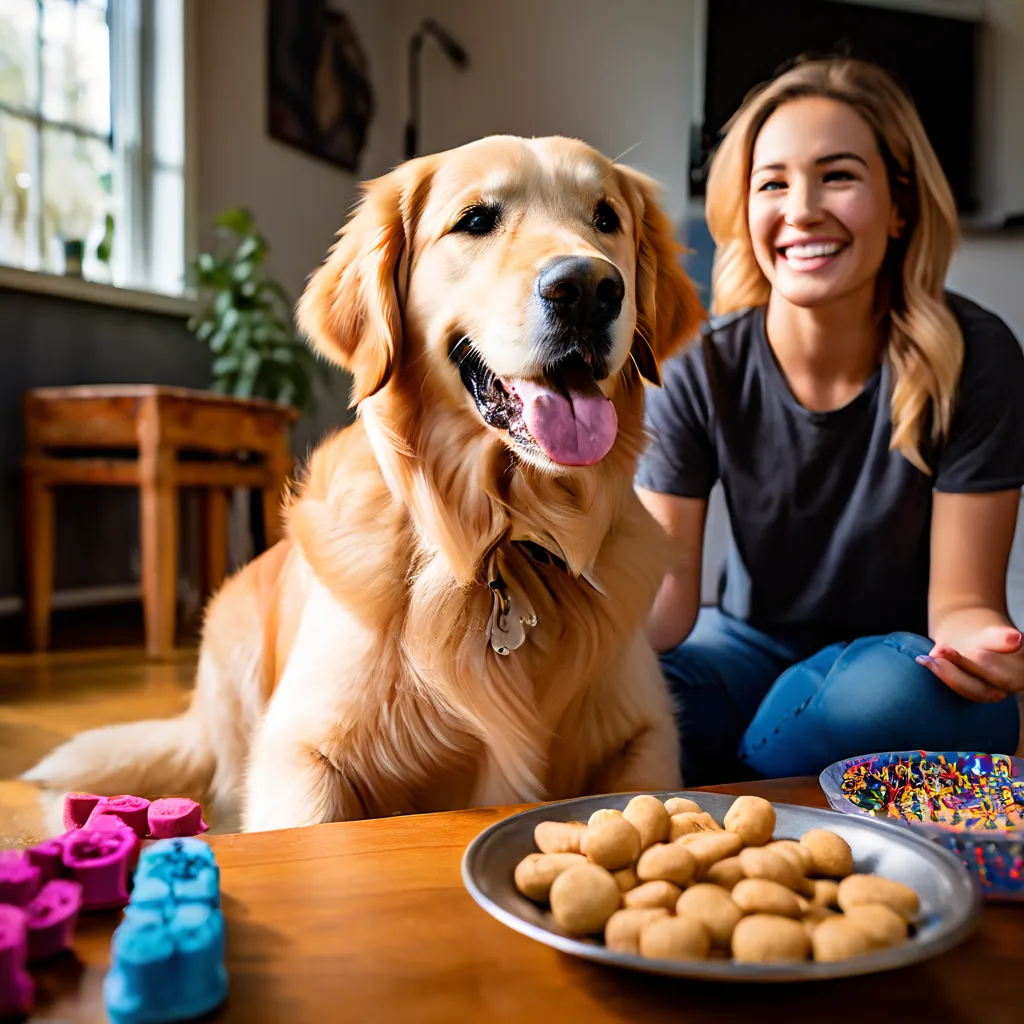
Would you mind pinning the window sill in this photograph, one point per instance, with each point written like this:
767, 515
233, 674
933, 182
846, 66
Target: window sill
15, 279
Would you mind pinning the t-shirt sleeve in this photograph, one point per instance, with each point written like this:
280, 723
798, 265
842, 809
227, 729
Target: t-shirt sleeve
680, 458
985, 449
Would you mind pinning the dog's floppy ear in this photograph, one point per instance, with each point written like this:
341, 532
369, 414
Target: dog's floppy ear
350, 310
668, 311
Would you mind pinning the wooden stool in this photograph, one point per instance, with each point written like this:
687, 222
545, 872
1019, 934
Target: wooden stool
157, 439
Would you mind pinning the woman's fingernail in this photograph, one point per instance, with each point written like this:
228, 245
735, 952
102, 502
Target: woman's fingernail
923, 659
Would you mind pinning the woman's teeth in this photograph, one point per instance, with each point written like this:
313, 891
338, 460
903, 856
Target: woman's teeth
811, 250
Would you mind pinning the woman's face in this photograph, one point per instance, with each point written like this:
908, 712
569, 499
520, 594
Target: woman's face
820, 210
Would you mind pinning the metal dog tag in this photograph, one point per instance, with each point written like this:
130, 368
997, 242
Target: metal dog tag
505, 630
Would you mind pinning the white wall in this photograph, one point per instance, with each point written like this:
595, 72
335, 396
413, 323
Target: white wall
298, 202
617, 75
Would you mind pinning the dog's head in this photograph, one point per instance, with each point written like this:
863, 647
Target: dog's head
525, 276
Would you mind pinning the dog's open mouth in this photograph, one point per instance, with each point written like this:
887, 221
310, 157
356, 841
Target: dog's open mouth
564, 413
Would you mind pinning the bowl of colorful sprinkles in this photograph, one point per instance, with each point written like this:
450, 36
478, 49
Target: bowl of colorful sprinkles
971, 803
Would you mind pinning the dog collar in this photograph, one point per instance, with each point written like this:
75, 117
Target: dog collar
509, 621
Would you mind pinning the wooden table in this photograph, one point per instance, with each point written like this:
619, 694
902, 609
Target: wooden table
157, 439
369, 921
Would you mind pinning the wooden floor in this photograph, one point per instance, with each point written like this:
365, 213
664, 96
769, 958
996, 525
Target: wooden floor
44, 699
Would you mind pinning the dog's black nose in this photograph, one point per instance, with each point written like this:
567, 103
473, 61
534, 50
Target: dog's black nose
581, 291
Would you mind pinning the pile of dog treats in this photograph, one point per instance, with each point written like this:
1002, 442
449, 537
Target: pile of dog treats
665, 880
173, 918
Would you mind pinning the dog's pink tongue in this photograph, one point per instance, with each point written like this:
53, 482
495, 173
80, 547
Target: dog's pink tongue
576, 427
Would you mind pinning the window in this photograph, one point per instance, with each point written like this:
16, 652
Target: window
92, 140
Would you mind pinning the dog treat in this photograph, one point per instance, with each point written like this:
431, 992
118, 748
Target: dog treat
667, 862
559, 836
48, 856
77, 808
710, 848
882, 925
859, 889
535, 875
51, 917
815, 915
17, 990
799, 856
759, 862
752, 818
767, 938
725, 873
111, 823
831, 853
98, 860
175, 817
20, 879
583, 898
713, 907
680, 805
622, 931
760, 896
837, 938
187, 866
612, 843
650, 818
653, 894
826, 893
167, 957
626, 879
698, 890
690, 822
132, 810
675, 938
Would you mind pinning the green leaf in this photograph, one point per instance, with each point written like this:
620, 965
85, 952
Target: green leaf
243, 271
237, 220
251, 362
219, 341
229, 321
225, 364
284, 354
205, 330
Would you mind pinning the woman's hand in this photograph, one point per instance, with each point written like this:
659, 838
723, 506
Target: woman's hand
977, 650
986, 665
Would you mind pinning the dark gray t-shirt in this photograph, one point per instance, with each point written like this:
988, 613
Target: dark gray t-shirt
830, 529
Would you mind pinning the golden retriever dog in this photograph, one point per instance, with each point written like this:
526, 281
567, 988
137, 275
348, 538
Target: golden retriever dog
456, 616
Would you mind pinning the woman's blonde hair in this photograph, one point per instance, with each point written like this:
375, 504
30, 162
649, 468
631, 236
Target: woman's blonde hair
925, 345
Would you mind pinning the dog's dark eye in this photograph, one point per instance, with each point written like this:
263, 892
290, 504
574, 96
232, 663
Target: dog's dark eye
478, 220
606, 220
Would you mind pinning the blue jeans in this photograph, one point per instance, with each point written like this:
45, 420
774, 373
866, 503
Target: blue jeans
749, 704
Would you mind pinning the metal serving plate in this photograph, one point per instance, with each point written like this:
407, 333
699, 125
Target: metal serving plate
950, 899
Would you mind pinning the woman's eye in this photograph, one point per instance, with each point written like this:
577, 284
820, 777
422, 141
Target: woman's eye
771, 186
606, 220
478, 220
839, 176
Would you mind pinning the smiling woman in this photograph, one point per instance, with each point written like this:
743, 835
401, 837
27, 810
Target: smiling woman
865, 426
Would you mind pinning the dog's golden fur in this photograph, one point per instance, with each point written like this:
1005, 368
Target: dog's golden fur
346, 672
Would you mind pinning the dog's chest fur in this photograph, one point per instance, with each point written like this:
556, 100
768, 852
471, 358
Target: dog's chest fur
465, 724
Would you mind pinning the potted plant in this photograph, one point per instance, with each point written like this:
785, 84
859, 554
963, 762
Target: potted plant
257, 353
247, 320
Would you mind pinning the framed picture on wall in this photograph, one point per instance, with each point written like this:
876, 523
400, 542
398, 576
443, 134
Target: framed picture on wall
320, 98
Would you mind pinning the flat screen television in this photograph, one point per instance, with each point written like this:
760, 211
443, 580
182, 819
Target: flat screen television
934, 56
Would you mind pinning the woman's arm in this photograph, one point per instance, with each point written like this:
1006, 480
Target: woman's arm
678, 600
977, 649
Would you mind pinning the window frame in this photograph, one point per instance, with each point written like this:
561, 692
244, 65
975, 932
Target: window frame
138, 102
